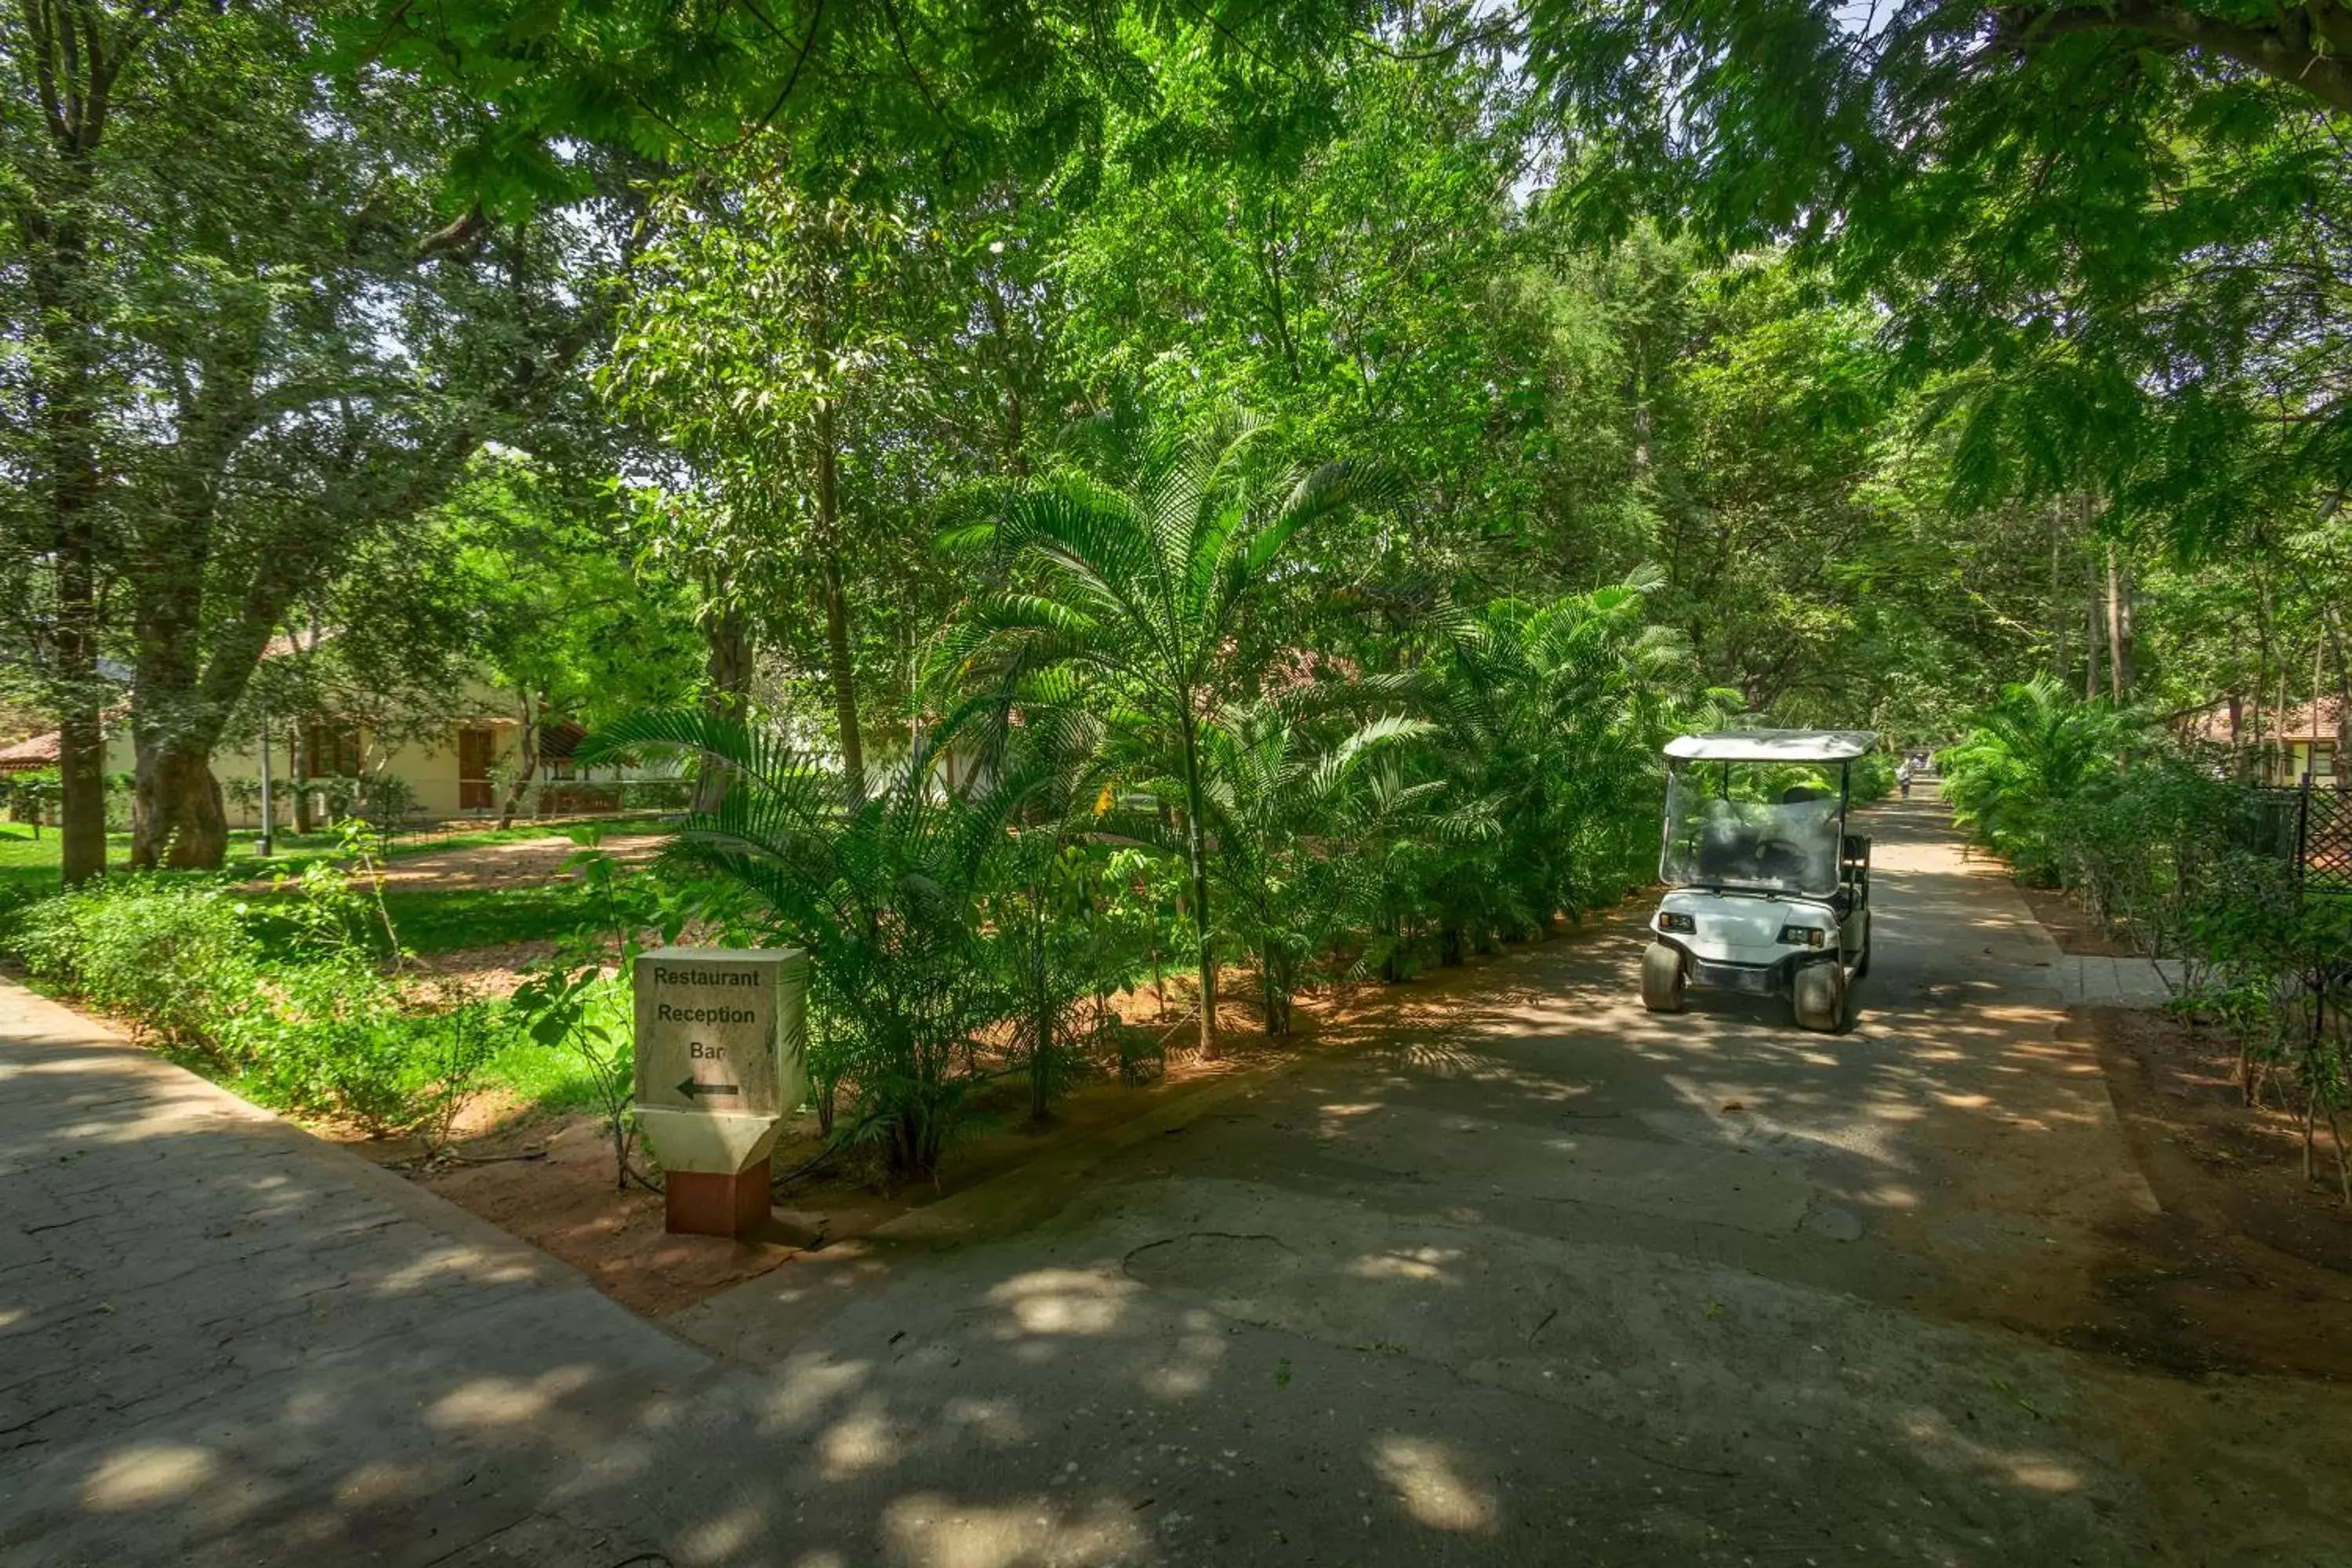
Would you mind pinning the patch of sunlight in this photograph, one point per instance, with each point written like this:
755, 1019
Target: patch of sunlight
729, 1535
505, 1401
2044, 1475
1364, 1108
1430, 1485
990, 1420
474, 1264
379, 1482
859, 1441
1183, 1378
808, 1383
1064, 1302
1892, 1197
935, 1532
1963, 1101
1420, 1263
146, 1474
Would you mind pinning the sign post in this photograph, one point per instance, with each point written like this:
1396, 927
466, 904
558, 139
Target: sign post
722, 1035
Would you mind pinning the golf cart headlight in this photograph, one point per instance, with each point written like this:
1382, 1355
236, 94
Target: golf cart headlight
1668, 920
1800, 936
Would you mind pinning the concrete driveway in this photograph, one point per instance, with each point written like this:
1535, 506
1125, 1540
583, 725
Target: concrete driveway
1557, 1281
1538, 1278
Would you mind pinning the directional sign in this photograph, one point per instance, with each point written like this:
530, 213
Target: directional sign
718, 1031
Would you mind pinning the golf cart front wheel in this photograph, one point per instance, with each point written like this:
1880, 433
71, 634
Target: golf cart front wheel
1819, 999
1662, 979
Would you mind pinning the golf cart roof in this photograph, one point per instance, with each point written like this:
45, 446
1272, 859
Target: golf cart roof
1773, 745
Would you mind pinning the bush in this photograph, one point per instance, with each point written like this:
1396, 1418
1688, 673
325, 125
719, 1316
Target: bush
656, 794
330, 1032
1871, 778
171, 957
33, 796
2037, 750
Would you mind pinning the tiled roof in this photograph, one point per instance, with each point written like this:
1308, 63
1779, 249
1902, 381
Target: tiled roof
2301, 721
28, 755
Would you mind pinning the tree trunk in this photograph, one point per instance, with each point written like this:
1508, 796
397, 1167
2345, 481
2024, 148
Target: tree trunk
2334, 622
1041, 1061
177, 821
81, 780
842, 677
64, 401
2059, 662
297, 751
526, 758
1196, 851
2093, 620
727, 691
839, 668
2117, 636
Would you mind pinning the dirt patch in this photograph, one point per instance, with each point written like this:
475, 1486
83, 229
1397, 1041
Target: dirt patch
524, 861
486, 971
2076, 931
2249, 1265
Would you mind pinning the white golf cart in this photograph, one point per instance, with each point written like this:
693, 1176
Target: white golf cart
1767, 890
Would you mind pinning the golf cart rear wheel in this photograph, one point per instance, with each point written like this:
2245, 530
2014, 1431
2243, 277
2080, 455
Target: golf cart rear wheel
1662, 979
1819, 997
1862, 964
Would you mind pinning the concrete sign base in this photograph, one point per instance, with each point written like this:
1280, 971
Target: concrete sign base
701, 1141
703, 1203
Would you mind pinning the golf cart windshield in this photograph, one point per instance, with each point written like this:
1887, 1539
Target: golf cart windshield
1786, 842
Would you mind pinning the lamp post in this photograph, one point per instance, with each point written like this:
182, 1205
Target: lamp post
268, 817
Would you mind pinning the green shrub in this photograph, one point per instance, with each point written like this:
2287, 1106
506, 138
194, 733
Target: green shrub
328, 1033
2037, 750
33, 798
656, 794
1871, 777
171, 957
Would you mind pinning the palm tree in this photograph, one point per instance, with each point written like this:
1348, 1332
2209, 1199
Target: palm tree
1557, 713
881, 893
2037, 748
1142, 584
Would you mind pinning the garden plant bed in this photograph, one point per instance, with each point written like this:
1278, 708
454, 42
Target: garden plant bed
2248, 1266
2077, 932
560, 1194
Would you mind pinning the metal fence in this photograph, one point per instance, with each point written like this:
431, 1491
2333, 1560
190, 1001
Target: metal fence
2312, 829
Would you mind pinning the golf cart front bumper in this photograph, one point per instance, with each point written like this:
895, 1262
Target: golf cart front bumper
1777, 978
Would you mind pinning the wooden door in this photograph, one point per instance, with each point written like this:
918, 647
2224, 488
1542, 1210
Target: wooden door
477, 745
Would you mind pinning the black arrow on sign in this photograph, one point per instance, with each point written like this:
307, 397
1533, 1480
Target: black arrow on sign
690, 1089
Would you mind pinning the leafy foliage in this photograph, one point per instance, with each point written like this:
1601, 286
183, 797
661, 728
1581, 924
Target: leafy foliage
2034, 752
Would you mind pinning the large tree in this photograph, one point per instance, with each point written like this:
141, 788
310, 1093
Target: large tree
768, 341
2111, 237
274, 353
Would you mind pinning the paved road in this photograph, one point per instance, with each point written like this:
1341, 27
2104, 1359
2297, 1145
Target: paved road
1541, 1279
